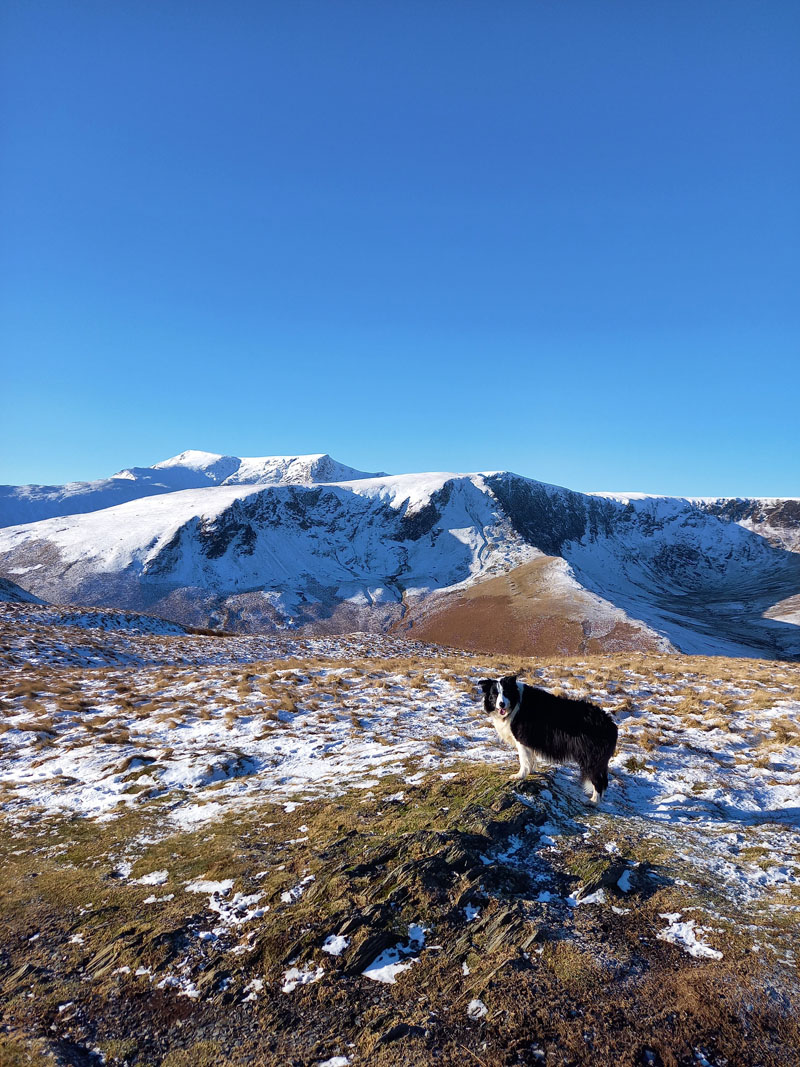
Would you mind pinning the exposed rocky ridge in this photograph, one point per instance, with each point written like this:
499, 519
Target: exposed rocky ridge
776, 520
548, 516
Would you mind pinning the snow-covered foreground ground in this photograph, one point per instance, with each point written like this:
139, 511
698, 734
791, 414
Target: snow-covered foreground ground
108, 723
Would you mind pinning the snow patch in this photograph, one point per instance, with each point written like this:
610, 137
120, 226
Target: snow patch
289, 896
336, 944
393, 961
154, 878
295, 977
684, 936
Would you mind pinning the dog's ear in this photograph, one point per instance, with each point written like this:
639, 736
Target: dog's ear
485, 684
511, 677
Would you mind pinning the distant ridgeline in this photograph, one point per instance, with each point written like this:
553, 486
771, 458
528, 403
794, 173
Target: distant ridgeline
491, 561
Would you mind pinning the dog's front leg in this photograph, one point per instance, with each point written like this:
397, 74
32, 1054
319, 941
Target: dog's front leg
524, 765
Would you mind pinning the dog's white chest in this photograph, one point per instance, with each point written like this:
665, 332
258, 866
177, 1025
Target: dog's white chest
503, 726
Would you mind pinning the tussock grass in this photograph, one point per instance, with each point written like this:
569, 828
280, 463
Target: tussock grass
30, 689
44, 728
574, 967
778, 734
287, 703
120, 736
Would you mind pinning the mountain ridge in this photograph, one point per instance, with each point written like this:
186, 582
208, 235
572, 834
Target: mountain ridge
378, 552
193, 469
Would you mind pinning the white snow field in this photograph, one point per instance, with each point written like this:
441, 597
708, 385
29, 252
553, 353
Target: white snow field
343, 544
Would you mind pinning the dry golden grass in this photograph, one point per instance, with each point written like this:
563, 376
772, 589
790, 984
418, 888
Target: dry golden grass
715, 694
778, 734
116, 737
761, 699
44, 727
287, 703
24, 689
574, 967
125, 764
97, 723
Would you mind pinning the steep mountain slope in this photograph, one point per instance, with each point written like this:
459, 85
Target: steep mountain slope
249, 556
189, 470
582, 572
681, 569
15, 594
727, 578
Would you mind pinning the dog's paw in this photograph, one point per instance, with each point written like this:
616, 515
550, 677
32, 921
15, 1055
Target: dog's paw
518, 777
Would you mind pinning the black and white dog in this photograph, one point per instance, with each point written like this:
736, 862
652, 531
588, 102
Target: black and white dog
556, 729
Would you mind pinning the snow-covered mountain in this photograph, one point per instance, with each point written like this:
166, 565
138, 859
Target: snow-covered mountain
189, 470
306, 542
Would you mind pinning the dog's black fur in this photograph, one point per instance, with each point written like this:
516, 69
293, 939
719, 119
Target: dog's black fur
558, 729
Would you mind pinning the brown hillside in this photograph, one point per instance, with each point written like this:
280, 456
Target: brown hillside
530, 611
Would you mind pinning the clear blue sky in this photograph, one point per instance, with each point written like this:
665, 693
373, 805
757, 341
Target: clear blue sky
551, 236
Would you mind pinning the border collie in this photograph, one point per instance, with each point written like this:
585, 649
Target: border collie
556, 729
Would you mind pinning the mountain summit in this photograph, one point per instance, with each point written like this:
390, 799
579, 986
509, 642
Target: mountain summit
189, 470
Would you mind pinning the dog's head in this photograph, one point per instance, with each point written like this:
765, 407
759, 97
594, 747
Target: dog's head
501, 696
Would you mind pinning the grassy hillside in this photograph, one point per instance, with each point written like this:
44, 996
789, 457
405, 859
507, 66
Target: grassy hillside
533, 606
215, 848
